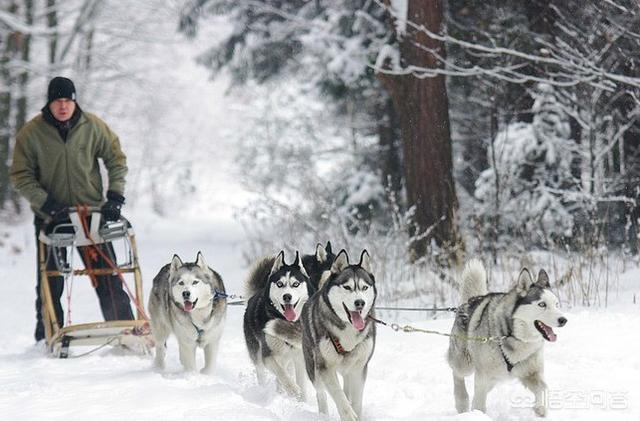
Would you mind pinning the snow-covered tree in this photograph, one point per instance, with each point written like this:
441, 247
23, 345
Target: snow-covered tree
335, 47
529, 189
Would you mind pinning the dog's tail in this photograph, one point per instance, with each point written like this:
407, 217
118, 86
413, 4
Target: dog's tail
473, 280
258, 276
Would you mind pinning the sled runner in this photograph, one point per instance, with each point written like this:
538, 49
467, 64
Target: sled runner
86, 229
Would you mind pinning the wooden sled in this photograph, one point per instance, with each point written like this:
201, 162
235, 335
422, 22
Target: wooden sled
86, 229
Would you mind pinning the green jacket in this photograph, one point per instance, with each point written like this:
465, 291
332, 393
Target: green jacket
44, 164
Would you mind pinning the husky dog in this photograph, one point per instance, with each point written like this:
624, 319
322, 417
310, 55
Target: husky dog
338, 335
278, 292
523, 318
318, 264
185, 300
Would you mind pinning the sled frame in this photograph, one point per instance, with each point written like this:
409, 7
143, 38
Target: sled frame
133, 334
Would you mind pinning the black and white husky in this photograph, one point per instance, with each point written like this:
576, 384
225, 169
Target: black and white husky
523, 317
277, 292
339, 337
318, 264
184, 301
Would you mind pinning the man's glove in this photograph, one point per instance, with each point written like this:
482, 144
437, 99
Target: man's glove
111, 209
56, 210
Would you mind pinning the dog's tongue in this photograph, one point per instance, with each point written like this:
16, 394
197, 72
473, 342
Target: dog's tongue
188, 306
552, 336
289, 312
550, 333
356, 320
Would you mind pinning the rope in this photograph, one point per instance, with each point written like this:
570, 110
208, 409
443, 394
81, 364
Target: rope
68, 287
108, 342
217, 295
83, 210
426, 309
411, 329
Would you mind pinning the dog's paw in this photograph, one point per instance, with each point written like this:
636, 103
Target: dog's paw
294, 390
462, 407
348, 414
207, 371
540, 411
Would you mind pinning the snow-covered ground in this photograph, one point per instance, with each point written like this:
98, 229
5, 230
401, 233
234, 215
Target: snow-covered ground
592, 370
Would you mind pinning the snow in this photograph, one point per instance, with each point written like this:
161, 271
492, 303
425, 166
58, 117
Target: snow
388, 55
400, 10
594, 362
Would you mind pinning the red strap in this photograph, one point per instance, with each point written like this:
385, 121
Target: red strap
83, 211
337, 345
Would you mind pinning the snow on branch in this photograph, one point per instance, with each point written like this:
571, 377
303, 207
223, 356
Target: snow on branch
573, 67
400, 9
15, 23
389, 59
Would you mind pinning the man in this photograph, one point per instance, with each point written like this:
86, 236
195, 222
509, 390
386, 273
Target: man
55, 165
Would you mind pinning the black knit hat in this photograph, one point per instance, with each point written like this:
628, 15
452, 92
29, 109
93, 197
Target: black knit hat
60, 87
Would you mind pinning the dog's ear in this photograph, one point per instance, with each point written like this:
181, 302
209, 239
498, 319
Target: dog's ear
328, 247
278, 263
324, 277
200, 262
543, 279
524, 282
321, 253
298, 262
341, 262
176, 263
365, 261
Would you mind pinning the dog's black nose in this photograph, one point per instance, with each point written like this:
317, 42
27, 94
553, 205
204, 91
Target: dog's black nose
359, 304
562, 321
186, 295
286, 298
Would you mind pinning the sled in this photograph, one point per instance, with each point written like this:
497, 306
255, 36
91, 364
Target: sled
87, 229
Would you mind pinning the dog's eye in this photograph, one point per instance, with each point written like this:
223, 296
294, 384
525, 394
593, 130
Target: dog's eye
347, 287
181, 283
296, 284
195, 282
279, 284
364, 288
543, 305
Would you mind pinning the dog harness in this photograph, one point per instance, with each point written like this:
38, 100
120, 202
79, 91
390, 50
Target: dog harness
216, 296
506, 360
504, 357
337, 345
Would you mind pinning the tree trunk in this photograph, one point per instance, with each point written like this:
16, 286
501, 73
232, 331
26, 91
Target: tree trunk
52, 23
423, 111
23, 78
7, 54
24, 48
389, 142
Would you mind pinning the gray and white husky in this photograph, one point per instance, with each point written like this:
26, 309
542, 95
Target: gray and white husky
339, 337
186, 301
523, 317
272, 332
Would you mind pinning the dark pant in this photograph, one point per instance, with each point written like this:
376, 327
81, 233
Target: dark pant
114, 301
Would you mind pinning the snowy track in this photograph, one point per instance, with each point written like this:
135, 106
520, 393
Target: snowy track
594, 364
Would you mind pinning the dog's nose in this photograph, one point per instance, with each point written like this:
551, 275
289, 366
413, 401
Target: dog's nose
562, 321
286, 298
359, 304
186, 295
